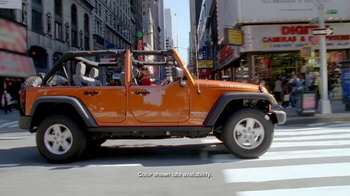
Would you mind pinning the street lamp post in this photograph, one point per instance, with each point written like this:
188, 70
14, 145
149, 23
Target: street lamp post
324, 104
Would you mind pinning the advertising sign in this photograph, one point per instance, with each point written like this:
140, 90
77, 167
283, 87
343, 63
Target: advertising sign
231, 12
205, 64
292, 37
13, 65
10, 4
346, 83
12, 37
233, 37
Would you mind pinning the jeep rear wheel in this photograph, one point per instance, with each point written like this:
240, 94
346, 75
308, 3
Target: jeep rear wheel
59, 139
248, 133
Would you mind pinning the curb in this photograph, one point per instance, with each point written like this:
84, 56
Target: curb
316, 119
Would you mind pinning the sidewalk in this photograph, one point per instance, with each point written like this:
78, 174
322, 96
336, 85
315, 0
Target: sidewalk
338, 114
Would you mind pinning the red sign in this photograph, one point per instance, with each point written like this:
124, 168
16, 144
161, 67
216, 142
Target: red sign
225, 53
140, 47
13, 65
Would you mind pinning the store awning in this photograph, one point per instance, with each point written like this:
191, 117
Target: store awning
14, 65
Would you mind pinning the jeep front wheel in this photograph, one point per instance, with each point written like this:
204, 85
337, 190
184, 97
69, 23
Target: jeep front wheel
248, 133
59, 139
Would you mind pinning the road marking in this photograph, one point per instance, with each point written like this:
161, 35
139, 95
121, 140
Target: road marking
309, 143
264, 174
310, 132
315, 124
9, 124
301, 129
9, 138
339, 125
315, 137
115, 165
325, 191
9, 165
283, 155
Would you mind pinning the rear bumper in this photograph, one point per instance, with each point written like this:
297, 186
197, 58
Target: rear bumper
281, 117
24, 122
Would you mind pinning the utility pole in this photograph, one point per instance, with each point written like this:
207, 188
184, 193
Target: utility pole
324, 105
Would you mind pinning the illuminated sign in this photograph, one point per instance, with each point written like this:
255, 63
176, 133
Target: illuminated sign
233, 37
205, 64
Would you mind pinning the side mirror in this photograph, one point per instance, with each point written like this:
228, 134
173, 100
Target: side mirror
177, 73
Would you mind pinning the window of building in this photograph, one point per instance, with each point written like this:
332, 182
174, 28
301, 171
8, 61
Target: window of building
58, 31
74, 28
37, 23
58, 8
87, 32
98, 28
58, 20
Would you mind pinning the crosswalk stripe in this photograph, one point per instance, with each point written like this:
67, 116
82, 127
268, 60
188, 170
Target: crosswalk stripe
309, 143
325, 191
311, 132
9, 124
283, 155
314, 137
264, 174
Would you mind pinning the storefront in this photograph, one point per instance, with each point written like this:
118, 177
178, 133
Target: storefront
228, 59
15, 65
274, 51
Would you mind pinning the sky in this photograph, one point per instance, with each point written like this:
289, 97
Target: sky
182, 10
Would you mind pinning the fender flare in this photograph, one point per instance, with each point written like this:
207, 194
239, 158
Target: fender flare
76, 103
227, 97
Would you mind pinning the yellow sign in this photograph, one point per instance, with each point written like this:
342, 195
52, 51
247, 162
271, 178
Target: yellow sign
205, 64
234, 37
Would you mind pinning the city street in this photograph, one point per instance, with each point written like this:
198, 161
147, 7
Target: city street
309, 159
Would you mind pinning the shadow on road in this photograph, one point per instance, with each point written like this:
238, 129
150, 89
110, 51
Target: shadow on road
150, 156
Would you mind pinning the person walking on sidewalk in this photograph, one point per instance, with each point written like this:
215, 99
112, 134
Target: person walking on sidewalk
5, 101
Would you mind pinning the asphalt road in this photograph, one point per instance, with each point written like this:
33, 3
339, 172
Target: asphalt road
303, 160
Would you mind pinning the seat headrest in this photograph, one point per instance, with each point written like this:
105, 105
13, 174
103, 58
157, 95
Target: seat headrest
93, 73
80, 68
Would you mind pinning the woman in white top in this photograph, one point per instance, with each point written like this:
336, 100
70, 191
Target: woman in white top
5, 101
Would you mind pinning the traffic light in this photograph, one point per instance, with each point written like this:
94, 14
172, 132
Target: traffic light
56, 56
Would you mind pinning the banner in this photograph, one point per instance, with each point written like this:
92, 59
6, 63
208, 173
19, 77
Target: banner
10, 4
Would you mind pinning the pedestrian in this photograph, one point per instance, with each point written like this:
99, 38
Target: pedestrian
277, 90
5, 101
286, 94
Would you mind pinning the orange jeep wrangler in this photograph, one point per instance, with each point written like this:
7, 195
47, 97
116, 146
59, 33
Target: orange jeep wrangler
91, 96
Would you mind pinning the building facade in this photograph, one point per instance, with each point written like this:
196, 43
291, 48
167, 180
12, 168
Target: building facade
52, 27
272, 39
171, 35
154, 10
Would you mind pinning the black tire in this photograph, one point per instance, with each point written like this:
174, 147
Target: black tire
248, 133
60, 140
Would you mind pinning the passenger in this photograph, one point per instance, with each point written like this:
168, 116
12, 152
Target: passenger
145, 74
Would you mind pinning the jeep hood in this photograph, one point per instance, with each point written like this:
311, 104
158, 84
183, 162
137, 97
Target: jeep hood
235, 86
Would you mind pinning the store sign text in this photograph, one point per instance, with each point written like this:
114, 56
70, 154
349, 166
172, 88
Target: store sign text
299, 34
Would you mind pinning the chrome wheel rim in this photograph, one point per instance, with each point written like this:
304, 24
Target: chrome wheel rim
248, 133
58, 139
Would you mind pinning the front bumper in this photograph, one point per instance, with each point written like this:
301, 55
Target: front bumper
281, 117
